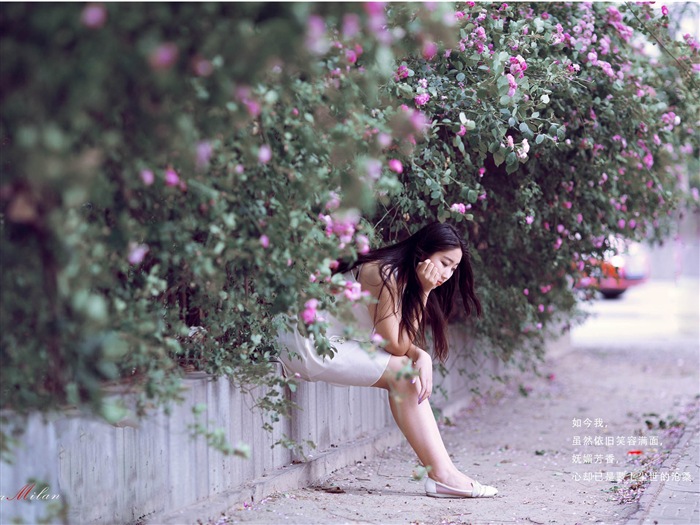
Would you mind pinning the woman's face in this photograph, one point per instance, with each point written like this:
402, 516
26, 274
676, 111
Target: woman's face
446, 263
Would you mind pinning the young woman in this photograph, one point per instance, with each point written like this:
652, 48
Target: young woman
414, 282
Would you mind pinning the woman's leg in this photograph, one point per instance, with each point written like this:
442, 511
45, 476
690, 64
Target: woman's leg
418, 424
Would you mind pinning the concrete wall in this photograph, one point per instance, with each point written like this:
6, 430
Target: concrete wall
145, 471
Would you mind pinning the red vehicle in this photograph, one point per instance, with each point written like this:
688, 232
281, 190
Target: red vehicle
625, 265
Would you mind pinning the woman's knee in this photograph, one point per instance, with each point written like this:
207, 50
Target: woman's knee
397, 374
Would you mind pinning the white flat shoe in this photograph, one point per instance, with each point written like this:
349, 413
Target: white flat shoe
435, 489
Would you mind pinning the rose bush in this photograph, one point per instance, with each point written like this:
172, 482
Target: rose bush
176, 176
552, 129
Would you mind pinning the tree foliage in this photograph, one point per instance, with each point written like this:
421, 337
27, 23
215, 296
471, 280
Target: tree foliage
175, 176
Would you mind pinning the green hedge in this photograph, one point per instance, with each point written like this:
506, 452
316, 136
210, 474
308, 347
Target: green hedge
169, 166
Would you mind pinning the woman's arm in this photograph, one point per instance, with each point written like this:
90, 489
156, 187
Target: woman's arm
388, 316
385, 311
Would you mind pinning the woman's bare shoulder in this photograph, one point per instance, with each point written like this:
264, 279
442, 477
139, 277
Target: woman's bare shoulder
372, 276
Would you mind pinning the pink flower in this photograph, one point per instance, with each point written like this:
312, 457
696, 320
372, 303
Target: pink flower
333, 202
171, 177
202, 67
350, 56
529, 219
512, 84
362, 243
430, 49
253, 107
374, 169
621, 223
309, 314
579, 218
459, 15
396, 166
401, 73
353, 291
384, 140
540, 307
377, 339
525, 145
518, 66
94, 16
264, 154
568, 205
481, 172
374, 8
351, 25
164, 56
459, 208
509, 141
526, 291
137, 252
422, 99
462, 131
265, 241
664, 10
204, 151
557, 243
316, 41
147, 177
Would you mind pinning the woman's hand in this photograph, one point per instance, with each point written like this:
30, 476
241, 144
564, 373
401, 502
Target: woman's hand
423, 363
428, 275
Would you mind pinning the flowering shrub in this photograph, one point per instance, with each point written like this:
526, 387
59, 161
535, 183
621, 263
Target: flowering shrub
174, 177
552, 129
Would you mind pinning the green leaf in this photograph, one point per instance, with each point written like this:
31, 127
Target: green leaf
511, 168
540, 139
498, 158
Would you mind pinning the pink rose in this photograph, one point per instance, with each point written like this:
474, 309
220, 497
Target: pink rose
137, 252
147, 177
396, 166
164, 56
422, 99
264, 154
171, 177
94, 16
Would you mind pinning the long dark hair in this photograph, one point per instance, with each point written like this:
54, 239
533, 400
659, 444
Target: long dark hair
401, 260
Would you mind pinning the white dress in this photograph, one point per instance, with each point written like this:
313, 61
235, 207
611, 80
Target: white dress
351, 365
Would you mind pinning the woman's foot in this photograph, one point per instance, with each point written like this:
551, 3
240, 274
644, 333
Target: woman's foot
435, 489
457, 485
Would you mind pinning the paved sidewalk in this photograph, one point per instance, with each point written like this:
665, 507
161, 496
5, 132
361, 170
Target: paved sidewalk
559, 446
669, 502
524, 443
